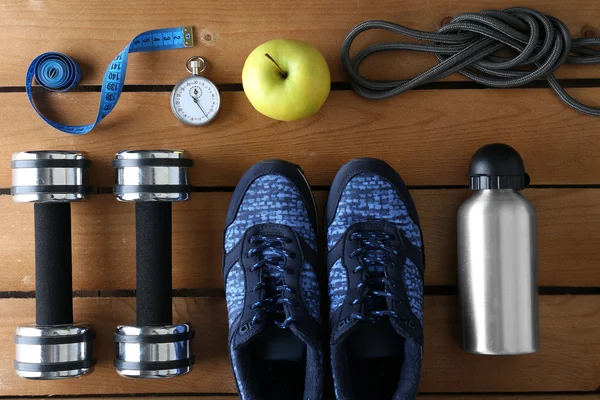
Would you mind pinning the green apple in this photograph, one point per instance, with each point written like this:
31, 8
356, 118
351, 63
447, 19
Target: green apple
286, 79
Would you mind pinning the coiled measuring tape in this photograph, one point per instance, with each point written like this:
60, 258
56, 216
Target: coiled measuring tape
58, 72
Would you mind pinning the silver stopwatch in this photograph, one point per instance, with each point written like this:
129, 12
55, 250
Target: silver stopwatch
195, 100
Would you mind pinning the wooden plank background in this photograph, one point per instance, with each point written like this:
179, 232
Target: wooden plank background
420, 397
104, 234
427, 135
568, 324
228, 30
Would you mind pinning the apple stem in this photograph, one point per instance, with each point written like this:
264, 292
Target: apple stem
282, 72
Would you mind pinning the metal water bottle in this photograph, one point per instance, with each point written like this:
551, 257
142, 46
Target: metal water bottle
497, 257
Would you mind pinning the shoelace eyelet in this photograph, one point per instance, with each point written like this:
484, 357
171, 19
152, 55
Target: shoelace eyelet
374, 251
271, 253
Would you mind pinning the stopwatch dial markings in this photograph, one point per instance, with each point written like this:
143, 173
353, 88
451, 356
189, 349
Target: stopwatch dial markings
195, 101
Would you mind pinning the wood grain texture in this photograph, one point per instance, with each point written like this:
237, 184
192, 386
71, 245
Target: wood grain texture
227, 31
569, 359
420, 397
429, 136
104, 239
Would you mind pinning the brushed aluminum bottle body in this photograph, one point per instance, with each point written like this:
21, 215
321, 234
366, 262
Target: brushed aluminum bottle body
497, 273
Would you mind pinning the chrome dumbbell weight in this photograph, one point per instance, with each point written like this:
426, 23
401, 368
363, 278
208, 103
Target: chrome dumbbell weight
155, 347
54, 347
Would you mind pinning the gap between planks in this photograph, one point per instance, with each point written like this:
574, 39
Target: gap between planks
219, 293
335, 86
314, 188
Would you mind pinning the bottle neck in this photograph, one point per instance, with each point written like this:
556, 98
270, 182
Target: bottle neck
496, 193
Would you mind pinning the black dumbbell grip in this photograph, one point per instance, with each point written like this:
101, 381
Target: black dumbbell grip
153, 263
53, 264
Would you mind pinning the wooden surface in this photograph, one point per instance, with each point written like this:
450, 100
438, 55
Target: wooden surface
420, 397
104, 239
228, 30
568, 324
427, 135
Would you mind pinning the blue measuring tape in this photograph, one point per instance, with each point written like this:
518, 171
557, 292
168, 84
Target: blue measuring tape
58, 72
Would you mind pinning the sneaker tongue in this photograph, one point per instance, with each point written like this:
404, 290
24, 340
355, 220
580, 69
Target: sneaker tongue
280, 344
375, 340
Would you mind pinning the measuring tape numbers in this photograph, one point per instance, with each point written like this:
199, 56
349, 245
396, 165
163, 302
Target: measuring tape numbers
57, 72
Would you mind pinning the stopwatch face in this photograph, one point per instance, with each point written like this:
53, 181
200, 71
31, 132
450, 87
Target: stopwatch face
195, 101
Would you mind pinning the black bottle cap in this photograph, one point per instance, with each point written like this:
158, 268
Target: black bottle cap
497, 166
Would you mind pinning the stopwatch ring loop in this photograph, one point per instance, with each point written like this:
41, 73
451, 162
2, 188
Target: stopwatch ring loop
202, 62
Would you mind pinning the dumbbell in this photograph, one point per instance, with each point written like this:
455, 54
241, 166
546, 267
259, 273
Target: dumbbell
155, 347
53, 347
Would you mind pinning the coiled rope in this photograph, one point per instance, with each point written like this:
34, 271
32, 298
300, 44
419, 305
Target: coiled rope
470, 45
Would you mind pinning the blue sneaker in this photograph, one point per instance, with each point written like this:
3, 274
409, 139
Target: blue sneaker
376, 264
271, 285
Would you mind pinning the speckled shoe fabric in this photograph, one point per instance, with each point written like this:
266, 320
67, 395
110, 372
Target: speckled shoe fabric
271, 285
376, 264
